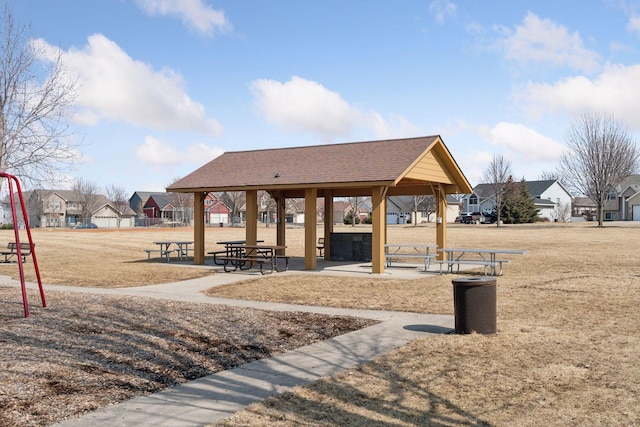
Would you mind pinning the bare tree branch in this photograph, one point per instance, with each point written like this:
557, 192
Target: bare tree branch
601, 153
497, 175
36, 100
118, 196
87, 193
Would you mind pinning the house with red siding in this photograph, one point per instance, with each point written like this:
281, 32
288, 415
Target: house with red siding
215, 211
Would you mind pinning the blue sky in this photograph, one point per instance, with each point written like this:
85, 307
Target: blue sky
167, 85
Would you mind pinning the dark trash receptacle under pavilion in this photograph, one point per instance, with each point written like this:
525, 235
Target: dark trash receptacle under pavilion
408, 166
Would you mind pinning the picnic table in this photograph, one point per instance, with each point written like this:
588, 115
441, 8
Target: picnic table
395, 251
182, 248
230, 249
485, 257
244, 257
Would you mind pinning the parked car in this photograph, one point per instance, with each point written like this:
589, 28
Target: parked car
478, 218
84, 226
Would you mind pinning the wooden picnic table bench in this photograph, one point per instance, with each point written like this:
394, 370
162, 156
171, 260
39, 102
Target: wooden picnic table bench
12, 250
164, 253
320, 246
395, 251
484, 257
245, 257
230, 249
244, 262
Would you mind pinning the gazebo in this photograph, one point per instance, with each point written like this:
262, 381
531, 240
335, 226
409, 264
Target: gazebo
409, 166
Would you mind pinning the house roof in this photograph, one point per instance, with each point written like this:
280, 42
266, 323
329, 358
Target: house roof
536, 188
66, 195
162, 200
397, 163
144, 195
631, 180
403, 203
483, 191
583, 202
543, 202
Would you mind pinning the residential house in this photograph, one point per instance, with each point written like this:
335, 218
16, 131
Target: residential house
400, 209
215, 211
624, 201
583, 207
5, 211
550, 197
168, 208
107, 215
66, 208
139, 199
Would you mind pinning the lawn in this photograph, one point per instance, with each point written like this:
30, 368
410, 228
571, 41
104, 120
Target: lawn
566, 351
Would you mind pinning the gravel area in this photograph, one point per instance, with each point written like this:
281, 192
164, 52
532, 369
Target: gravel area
87, 351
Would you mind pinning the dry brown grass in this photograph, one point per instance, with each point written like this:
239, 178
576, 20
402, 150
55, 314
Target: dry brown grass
566, 352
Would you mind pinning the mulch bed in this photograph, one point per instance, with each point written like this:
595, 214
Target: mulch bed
87, 351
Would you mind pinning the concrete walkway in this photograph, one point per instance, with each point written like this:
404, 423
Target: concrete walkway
212, 398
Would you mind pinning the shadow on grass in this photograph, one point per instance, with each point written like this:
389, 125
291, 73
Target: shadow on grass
332, 402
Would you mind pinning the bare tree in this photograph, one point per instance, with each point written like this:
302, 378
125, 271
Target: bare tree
416, 203
356, 204
235, 200
601, 153
87, 194
549, 176
563, 212
429, 205
35, 104
497, 175
118, 197
269, 204
182, 204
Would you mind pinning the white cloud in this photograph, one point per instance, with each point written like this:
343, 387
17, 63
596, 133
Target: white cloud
442, 9
522, 142
308, 106
616, 90
155, 152
634, 24
304, 105
113, 86
194, 14
541, 41
395, 127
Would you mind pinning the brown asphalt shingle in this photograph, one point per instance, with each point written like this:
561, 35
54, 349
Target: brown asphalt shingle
372, 161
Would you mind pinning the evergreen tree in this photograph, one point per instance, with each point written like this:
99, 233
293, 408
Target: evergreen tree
508, 213
519, 207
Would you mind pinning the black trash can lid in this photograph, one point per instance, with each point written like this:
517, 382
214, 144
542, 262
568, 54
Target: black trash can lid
474, 281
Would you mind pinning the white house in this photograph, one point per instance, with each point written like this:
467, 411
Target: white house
550, 197
107, 216
400, 210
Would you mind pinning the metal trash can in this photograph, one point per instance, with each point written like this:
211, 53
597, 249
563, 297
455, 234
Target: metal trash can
474, 304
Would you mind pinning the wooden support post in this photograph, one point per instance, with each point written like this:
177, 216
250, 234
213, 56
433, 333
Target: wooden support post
379, 217
328, 223
310, 203
251, 230
441, 219
198, 228
281, 226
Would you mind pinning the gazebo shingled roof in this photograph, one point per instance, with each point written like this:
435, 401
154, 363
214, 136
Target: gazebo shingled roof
409, 166
335, 166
